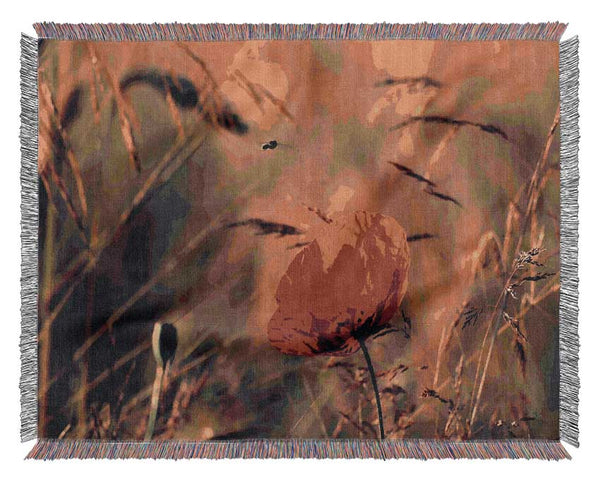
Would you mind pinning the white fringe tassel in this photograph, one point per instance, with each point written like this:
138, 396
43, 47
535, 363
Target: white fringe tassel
569, 182
29, 237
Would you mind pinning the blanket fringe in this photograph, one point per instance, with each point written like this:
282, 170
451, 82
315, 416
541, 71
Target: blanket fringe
569, 207
322, 449
29, 236
213, 32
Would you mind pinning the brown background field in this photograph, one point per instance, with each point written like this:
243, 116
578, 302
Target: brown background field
133, 231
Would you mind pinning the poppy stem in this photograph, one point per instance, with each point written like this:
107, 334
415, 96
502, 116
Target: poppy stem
363, 346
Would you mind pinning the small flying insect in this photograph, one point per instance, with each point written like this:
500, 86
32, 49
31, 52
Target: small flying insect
271, 145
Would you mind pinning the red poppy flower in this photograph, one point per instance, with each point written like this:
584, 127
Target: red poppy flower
342, 287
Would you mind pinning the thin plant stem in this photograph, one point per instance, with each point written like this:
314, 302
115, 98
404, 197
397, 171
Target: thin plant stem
70, 155
534, 187
158, 379
158, 176
314, 407
375, 389
552, 288
487, 360
166, 268
175, 374
45, 331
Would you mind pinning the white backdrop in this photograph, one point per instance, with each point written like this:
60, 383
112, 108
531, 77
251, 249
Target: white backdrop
18, 17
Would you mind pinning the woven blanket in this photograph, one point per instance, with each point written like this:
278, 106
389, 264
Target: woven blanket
299, 241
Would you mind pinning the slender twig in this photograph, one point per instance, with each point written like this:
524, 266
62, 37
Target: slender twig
212, 87
444, 339
532, 196
245, 84
359, 409
533, 192
375, 389
323, 396
158, 379
499, 317
82, 413
164, 347
125, 111
488, 331
439, 119
314, 407
173, 375
118, 364
94, 86
410, 81
47, 276
278, 103
70, 206
173, 110
70, 273
47, 96
552, 288
439, 150
213, 83
159, 175
533, 189
143, 347
166, 268
48, 172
